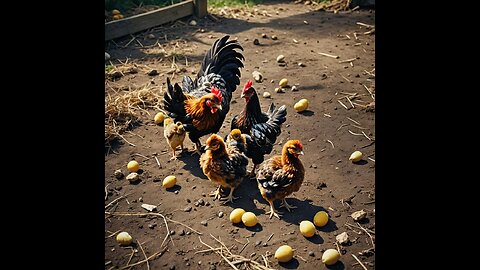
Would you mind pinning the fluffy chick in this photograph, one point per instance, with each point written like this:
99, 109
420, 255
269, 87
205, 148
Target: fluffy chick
224, 165
175, 135
282, 175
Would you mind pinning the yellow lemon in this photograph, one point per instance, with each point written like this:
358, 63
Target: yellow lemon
301, 105
117, 16
320, 219
330, 256
236, 215
356, 156
169, 181
284, 253
283, 82
124, 239
249, 219
159, 117
307, 228
133, 166
115, 12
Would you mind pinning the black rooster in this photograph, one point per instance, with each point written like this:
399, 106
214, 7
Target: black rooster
261, 129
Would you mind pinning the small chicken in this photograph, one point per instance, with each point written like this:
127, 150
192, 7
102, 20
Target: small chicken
282, 175
175, 135
236, 141
225, 166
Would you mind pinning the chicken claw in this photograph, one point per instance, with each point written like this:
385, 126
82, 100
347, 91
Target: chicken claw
286, 205
216, 194
229, 198
272, 211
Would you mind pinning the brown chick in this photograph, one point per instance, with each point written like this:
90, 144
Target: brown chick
175, 135
227, 168
282, 175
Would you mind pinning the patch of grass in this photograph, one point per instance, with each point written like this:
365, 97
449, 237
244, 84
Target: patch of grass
108, 68
232, 3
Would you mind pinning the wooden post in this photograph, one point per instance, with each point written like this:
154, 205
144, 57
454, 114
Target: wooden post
200, 8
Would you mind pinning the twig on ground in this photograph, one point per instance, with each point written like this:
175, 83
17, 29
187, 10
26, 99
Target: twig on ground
140, 155
329, 55
364, 267
370, 202
112, 202
159, 253
371, 159
356, 134
354, 121
341, 103
270, 237
119, 135
350, 102
366, 136
333, 146
371, 238
347, 60
158, 162
366, 25
143, 251
342, 125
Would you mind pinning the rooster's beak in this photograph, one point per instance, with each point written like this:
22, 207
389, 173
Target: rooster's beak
242, 95
218, 106
301, 153
207, 147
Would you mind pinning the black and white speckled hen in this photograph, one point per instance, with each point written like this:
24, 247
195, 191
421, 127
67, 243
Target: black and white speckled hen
261, 129
202, 104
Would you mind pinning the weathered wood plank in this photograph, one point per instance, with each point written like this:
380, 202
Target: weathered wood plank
136, 23
200, 8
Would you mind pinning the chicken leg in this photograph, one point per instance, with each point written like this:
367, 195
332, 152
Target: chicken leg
198, 147
286, 205
174, 157
230, 197
252, 172
216, 194
272, 210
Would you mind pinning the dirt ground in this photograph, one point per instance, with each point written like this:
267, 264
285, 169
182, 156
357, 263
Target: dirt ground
329, 132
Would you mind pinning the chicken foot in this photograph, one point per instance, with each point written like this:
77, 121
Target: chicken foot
230, 197
216, 194
286, 205
272, 211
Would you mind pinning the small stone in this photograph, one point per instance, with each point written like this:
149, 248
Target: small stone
118, 174
253, 254
324, 76
274, 37
188, 233
193, 23
257, 76
294, 89
176, 191
140, 199
311, 253
187, 209
265, 244
194, 187
201, 202
253, 233
213, 267
314, 166
153, 72
272, 81
342, 238
258, 243
172, 267
266, 95
199, 262
300, 64
207, 203
264, 35
305, 22
337, 214
256, 42
204, 222
279, 90
196, 204
149, 207
187, 264
220, 214
359, 215
107, 56
280, 58
133, 177
189, 201
118, 188
181, 232
151, 36
151, 226
172, 232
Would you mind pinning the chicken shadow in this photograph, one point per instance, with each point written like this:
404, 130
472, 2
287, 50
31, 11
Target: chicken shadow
247, 193
192, 164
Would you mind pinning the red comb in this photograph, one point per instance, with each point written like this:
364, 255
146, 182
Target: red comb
247, 85
300, 145
217, 93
